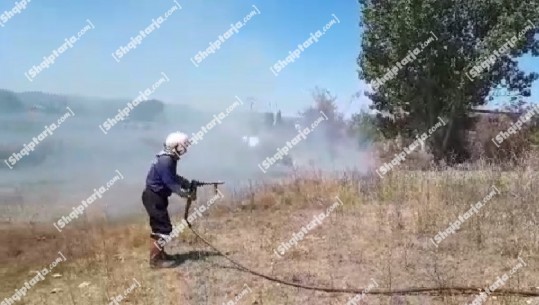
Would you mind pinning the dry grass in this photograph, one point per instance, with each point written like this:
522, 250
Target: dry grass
382, 232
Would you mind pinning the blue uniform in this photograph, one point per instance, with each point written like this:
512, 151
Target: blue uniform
162, 178
161, 182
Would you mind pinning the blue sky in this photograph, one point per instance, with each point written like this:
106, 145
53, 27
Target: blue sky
240, 67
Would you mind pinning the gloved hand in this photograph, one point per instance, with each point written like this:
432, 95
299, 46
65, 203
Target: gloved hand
188, 195
183, 194
183, 182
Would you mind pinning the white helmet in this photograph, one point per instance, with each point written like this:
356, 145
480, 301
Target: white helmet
177, 142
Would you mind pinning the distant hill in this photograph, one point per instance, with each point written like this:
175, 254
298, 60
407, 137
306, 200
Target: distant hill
100, 108
10, 102
49, 103
42, 102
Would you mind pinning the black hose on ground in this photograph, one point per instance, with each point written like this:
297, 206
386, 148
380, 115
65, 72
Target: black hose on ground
437, 291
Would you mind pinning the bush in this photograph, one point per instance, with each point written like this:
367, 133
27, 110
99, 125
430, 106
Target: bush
509, 152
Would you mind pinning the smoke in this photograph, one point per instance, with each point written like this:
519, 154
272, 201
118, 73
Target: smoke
78, 157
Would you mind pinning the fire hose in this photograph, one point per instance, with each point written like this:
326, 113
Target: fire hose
193, 186
434, 291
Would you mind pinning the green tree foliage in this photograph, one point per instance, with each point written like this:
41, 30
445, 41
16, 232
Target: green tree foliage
438, 80
362, 126
333, 128
324, 102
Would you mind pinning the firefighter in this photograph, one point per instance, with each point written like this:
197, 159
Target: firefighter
161, 182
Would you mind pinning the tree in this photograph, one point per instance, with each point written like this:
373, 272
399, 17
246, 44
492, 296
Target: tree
333, 127
448, 39
324, 102
362, 126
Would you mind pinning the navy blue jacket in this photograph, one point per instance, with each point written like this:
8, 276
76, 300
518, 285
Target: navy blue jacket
162, 177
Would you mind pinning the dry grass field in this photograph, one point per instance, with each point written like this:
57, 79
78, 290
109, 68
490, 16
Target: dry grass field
381, 233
